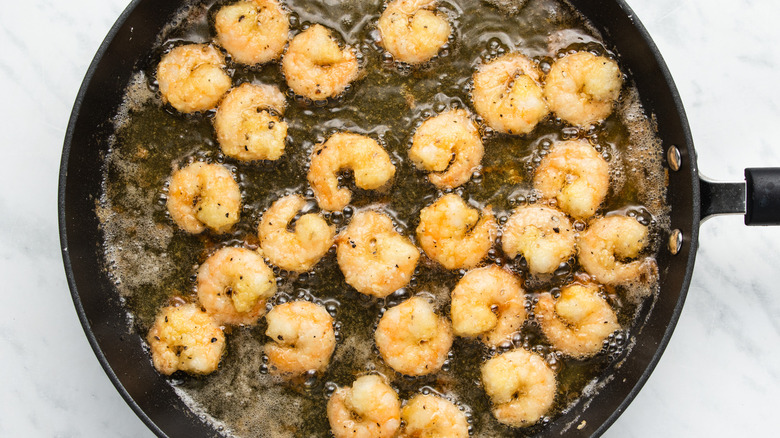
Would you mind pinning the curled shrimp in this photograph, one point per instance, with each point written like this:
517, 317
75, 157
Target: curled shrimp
412, 339
185, 338
234, 284
315, 67
253, 32
302, 338
248, 125
192, 77
204, 195
429, 416
298, 250
369, 162
578, 322
368, 409
373, 257
449, 146
521, 387
507, 94
543, 235
606, 245
575, 175
581, 88
411, 31
453, 234
488, 302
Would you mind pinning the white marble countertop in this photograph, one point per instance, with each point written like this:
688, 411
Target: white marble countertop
720, 375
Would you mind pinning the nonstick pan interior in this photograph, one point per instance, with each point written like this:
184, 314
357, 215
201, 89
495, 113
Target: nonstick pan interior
120, 350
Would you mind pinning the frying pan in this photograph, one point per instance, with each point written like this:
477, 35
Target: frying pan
120, 352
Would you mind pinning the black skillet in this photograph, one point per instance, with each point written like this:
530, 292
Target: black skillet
120, 350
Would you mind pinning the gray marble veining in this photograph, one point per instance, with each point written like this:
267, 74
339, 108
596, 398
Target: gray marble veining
720, 375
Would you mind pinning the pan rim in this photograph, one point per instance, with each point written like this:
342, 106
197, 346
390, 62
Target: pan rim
62, 220
692, 241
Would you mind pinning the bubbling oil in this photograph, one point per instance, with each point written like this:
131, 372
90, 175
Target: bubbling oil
153, 262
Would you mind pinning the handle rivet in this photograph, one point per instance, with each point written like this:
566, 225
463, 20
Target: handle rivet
674, 158
675, 241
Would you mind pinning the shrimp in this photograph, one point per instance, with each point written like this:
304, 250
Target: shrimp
374, 258
607, 243
247, 123
521, 387
576, 176
185, 338
543, 235
302, 338
204, 195
412, 339
298, 250
234, 284
449, 145
253, 32
192, 77
363, 155
453, 234
581, 88
488, 302
411, 31
430, 416
578, 322
368, 409
315, 67
507, 94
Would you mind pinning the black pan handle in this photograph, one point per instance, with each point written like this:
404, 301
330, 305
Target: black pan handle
758, 198
763, 196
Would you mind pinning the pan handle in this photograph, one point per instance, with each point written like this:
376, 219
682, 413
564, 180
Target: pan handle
758, 198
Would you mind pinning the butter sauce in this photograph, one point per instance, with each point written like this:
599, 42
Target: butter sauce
153, 263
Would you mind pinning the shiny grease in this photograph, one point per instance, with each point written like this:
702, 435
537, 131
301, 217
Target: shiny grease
152, 262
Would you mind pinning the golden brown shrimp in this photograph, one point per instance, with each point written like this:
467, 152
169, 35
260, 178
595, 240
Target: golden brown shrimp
253, 32
430, 416
488, 302
521, 387
581, 88
368, 409
507, 94
578, 322
315, 67
412, 339
369, 162
449, 146
453, 234
192, 77
373, 257
234, 284
248, 125
185, 338
575, 175
204, 195
607, 243
302, 338
411, 31
543, 235
298, 250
